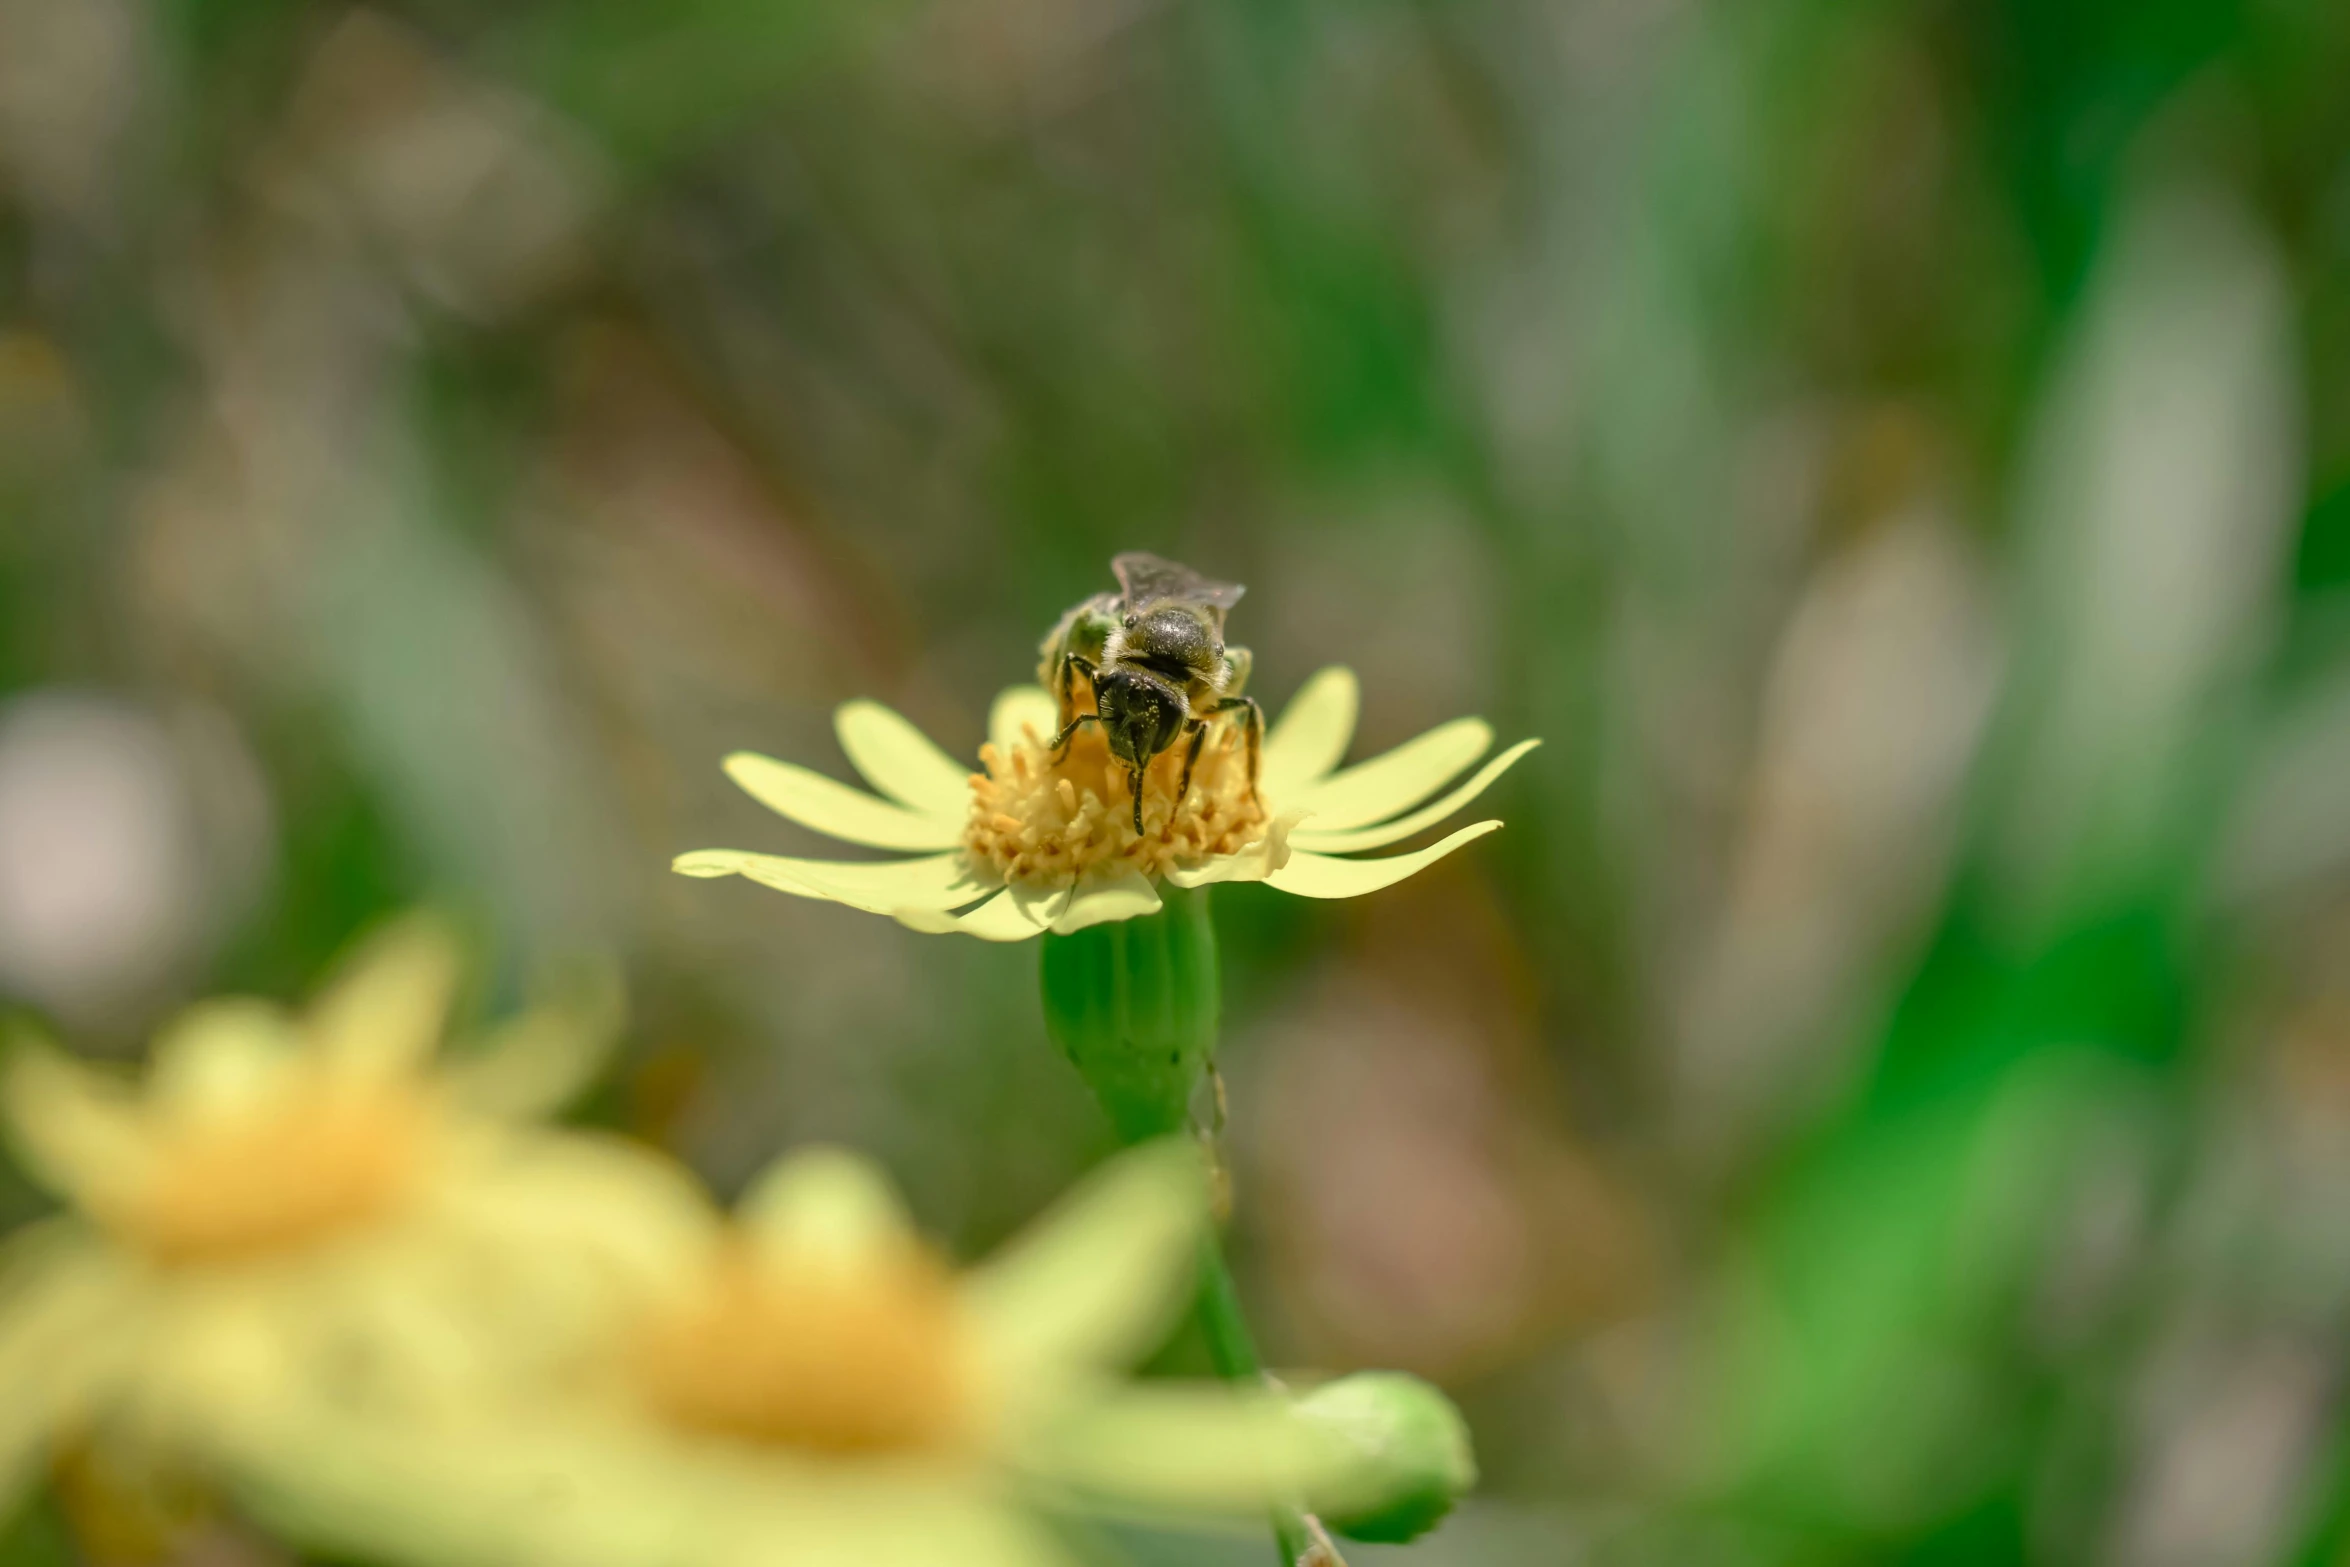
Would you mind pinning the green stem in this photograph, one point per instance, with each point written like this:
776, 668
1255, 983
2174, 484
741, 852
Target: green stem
1234, 1350
1230, 1344
1133, 1005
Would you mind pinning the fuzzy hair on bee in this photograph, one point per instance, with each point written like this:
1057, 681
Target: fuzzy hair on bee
1154, 656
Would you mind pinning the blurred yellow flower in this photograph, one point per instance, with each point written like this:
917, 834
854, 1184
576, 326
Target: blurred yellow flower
811, 1384
292, 1205
1031, 843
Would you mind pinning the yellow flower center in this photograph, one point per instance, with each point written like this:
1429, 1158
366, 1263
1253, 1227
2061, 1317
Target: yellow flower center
833, 1359
305, 1164
1047, 823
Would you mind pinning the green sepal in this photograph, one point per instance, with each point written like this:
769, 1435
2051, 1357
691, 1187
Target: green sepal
1132, 1003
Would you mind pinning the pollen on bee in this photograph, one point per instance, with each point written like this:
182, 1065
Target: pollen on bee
1045, 823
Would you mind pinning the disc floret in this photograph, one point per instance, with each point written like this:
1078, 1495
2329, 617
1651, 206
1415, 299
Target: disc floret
1040, 821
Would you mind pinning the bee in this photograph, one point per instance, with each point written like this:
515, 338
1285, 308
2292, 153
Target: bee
1154, 654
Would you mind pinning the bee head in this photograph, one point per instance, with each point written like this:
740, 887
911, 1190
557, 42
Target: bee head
1141, 713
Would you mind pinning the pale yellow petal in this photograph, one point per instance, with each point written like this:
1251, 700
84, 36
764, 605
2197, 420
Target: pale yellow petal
1096, 1283
937, 882
67, 1330
1021, 711
1149, 1450
835, 809
536, 1063
1312, 837
552, 1196
221, 1057
1042, 905
1311, 735
1225, 867
1124, 894
1394, 780
874, 1515
900, 1526
823, 1205
900, 760
1323, 876
533, 1494
77, 1133
1255, 863
384, 1012
1008, 916
476, 1495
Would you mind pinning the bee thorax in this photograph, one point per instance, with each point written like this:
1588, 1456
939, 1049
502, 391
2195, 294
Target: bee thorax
1176, 643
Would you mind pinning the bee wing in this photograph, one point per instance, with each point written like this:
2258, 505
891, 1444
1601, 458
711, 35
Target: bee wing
1148, 580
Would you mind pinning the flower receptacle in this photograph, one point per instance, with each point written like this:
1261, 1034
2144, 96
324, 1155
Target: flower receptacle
1133, 1005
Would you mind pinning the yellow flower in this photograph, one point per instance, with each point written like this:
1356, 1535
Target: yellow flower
1031, 843
813, 1385
286, 1204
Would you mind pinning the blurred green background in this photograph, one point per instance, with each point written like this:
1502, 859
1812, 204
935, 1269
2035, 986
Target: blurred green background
1886, 1095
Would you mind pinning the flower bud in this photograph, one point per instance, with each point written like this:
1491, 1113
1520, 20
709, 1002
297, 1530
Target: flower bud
1412, 1447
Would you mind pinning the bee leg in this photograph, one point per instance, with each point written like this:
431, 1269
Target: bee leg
1072, 664
1255, 722
1061, 740
1199, 732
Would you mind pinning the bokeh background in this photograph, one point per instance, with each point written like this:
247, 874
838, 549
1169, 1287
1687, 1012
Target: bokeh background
1886, 1095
